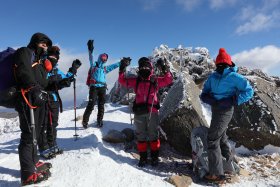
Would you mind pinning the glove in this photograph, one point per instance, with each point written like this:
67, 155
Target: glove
163, 65
38, 97
54, 79
125, 61
227, 102
208, 98
66, 82
90, 45
75, 65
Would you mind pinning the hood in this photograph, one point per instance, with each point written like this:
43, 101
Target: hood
99, 61
227, 71
37, 38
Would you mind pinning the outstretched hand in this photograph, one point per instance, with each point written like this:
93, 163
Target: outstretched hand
90, 45
125, 61
75, 66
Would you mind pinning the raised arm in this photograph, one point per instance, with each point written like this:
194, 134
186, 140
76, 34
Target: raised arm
127, 82
112, 67
165, 80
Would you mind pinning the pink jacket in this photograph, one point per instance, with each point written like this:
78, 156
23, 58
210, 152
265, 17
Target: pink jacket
143, 88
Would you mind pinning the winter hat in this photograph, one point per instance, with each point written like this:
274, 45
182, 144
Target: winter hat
144, 62
54, 51
223, 58
38, 38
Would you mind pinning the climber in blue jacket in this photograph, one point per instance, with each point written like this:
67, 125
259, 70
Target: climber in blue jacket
223, 90
96, 81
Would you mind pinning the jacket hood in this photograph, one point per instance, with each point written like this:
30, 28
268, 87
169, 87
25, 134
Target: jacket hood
99, 62
37, 38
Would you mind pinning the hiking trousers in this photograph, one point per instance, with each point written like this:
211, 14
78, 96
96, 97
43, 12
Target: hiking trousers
146, 129
27, 150
218, 145
95, 94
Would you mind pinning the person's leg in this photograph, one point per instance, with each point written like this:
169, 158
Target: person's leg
101, 101
27, 149
154, 137
90, 106
219, 124
140, 123
52, 129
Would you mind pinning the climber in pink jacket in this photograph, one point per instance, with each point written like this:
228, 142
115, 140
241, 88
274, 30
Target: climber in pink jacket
146, 104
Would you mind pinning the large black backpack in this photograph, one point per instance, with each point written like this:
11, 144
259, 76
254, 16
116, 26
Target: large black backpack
7, 78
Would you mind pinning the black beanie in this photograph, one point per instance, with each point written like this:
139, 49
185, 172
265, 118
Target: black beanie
144, 62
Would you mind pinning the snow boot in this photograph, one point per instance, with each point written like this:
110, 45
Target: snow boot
43, 166
154, 156
47, 154
99, 123
56, 150
36, 178
143, 159
85, 124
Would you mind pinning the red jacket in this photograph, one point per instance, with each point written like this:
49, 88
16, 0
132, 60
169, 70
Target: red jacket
143, 88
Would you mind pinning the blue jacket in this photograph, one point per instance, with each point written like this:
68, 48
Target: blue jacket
98, 71
230, 84
60, 75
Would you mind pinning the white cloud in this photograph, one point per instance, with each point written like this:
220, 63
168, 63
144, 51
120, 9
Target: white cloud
266, 58
189, 5
256, 23
256, 19
217, 4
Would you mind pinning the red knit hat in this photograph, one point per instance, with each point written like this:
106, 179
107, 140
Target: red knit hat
223, 57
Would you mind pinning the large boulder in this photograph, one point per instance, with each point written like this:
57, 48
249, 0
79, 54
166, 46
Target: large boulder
181, 112
257, 123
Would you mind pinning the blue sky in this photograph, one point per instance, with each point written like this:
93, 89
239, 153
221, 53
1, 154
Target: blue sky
248, 29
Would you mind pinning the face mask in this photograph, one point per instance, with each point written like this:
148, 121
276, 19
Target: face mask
53, 61
220, 68
40, 53
145, 73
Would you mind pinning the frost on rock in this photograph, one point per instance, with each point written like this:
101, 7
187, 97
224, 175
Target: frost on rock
173, 100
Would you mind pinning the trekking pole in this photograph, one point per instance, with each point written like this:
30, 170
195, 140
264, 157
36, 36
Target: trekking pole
32, 125
127, 90
75, 135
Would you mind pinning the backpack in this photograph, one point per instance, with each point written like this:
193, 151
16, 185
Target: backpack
200, 155
90, 80
7, 78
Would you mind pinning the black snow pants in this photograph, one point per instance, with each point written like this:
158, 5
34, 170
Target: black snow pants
27, 149
95, 93
48, 131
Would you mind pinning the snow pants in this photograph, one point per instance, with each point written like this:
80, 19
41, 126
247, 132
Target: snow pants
27, 150
95, 94
48, 133
218, 146
146, 130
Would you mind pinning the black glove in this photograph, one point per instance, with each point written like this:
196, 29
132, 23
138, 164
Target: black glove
90, 45
66, 82
38, 97
54, 79
208, 98
75, 65
227, 102
163, 64
125, 61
